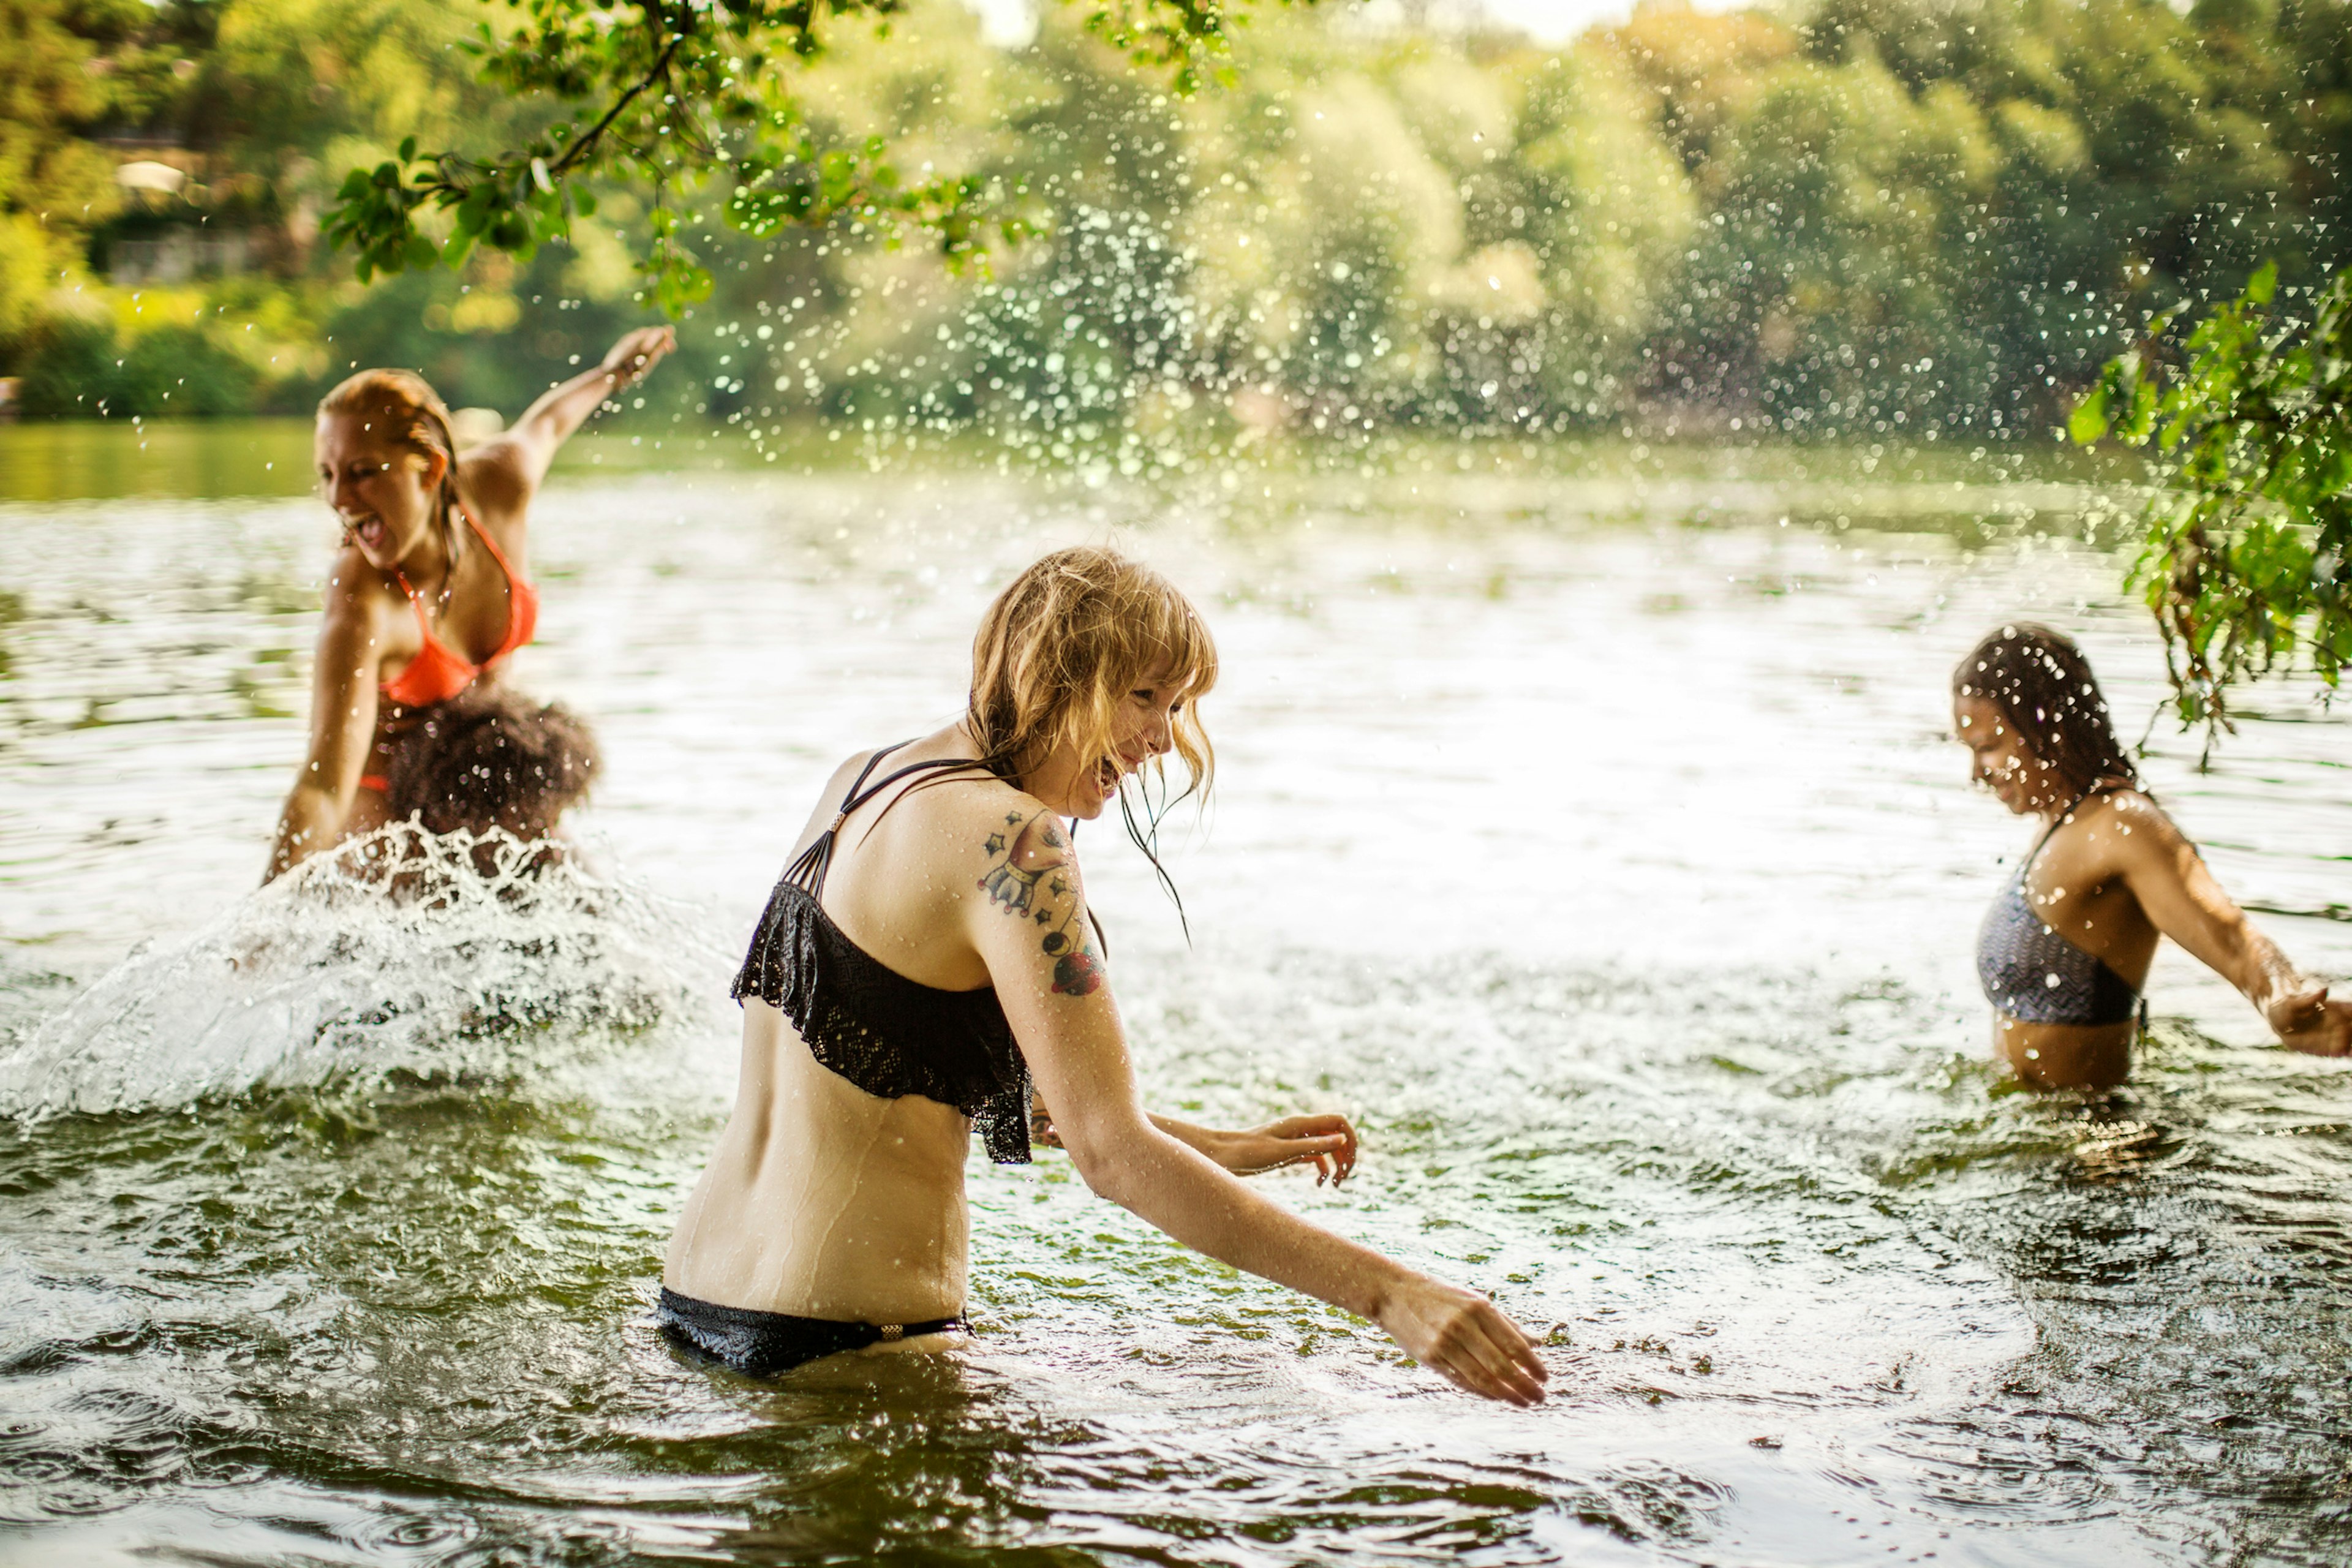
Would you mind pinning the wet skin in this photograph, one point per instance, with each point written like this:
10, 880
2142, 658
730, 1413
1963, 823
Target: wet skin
385, 492
2115, 876
825, 1201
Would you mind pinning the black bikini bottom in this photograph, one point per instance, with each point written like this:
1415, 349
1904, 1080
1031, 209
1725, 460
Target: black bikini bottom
765, 1344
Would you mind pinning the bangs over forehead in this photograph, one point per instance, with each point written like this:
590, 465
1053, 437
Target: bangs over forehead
370, 425
1062, 646
1177, 650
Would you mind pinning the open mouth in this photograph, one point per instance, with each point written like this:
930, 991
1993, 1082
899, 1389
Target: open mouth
370, 534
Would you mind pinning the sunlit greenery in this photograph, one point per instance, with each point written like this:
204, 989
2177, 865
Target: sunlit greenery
2249, 555
1892, 217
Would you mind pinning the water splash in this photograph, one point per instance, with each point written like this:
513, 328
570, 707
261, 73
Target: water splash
438, 958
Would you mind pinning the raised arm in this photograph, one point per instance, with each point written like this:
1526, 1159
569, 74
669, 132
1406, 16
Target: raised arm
1027, 918
2170, 879
342, 727
530, 445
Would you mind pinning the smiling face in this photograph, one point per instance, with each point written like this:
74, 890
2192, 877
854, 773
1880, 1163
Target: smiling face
380, 487
1999, 758
1143, 726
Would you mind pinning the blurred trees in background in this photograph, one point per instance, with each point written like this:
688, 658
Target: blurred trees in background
1930, 219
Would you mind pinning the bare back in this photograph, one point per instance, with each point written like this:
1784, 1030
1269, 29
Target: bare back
822, 1200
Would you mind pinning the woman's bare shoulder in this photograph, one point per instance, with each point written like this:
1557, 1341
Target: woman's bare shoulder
2130, 825
963, 814
946, 798
355, 595
495, 476
963, 803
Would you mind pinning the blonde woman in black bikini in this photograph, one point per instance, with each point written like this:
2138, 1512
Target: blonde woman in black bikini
928, 962
2065, 950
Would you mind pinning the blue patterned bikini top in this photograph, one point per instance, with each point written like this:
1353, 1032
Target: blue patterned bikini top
2033, 974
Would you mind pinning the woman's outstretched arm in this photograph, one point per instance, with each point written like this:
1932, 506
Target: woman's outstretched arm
1324, 1140
2172, 883
1028, 921
343, 724
530, 445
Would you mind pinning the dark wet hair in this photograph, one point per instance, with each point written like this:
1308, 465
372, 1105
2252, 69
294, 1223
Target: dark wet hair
488, 758
2046, 693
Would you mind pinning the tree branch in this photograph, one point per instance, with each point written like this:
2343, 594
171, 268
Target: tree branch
588, 139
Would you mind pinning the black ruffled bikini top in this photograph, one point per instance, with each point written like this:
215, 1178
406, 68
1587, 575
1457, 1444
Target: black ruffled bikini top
860, 1018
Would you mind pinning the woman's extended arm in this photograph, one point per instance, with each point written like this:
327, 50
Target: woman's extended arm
531, 444
2173, 885
342, 727
1029, 924
1324, 1140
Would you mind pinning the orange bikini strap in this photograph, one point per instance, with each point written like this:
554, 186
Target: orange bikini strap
415, 601
484, 535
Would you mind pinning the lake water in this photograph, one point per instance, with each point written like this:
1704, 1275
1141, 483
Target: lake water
1586, 830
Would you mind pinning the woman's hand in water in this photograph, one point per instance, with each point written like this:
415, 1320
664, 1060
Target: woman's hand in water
1326, 1142
1464, 1337
638, 353
2309, 1022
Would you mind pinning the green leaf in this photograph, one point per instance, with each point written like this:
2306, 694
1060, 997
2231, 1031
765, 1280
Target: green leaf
2089, 421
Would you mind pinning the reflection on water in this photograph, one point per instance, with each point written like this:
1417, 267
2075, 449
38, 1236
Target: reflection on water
1593, 840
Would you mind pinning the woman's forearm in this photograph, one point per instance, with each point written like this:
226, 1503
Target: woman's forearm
558, 411
1168, 1183
307, 824
550, 421
2251, 962
1200, 1140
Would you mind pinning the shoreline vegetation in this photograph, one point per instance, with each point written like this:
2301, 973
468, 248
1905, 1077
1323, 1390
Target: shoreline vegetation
1888, 220
268, 457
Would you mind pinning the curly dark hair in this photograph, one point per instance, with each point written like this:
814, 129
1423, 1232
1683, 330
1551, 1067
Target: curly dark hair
2046, 694
488, 758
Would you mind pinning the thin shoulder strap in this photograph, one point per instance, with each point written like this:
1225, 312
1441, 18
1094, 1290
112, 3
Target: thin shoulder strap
808, 870
423, 621
484, 535
2056, 823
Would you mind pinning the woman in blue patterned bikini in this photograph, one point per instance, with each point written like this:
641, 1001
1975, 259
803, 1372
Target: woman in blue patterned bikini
2066, 949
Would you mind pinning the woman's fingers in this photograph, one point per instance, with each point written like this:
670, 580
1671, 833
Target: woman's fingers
2324, 1031
1466, 1338
1505, 1358
1326, 1139
637, 352
1268, 1149
2311, 1023
1487, 1370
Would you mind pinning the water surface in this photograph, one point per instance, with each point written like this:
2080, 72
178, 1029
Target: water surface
1590, 835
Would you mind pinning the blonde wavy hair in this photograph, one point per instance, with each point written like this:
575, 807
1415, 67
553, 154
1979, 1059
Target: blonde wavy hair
1061, 649
415, 417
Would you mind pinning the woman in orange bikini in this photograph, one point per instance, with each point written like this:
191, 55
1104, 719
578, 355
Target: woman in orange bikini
417, 615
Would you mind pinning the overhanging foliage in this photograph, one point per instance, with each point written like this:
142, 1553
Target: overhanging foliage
2248, 557
674, 94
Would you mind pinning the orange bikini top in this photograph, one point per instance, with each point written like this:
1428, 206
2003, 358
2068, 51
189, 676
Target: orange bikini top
437, 672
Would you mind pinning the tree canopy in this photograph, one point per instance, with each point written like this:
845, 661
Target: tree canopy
668, 95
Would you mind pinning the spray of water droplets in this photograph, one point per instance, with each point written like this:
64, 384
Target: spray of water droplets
403, 956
